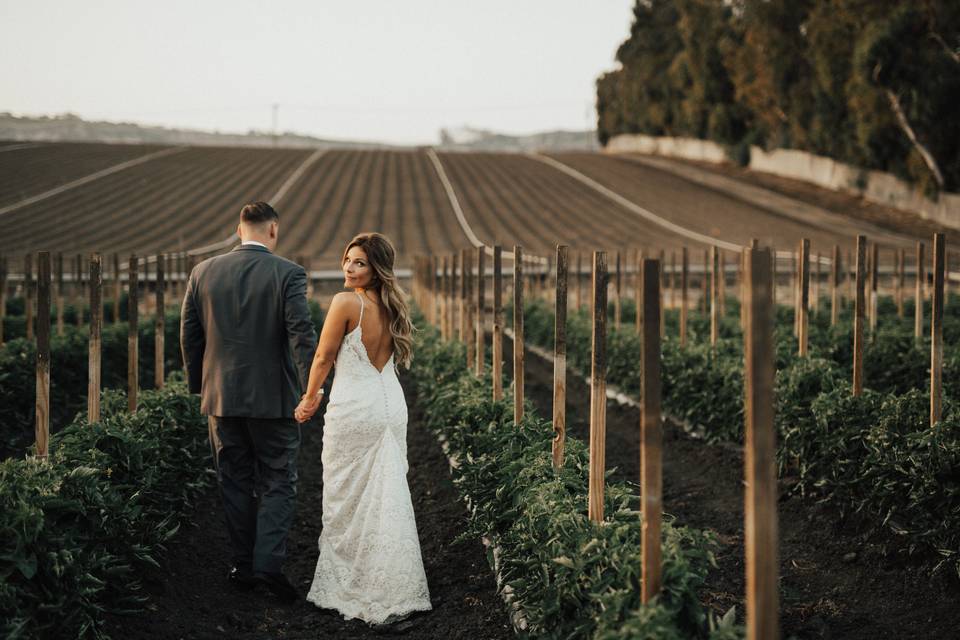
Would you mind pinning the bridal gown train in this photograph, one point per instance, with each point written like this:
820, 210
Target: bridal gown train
370, 565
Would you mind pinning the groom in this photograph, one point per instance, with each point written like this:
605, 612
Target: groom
248, 341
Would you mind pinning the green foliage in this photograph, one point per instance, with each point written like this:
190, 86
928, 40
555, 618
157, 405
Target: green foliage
68, 373
80, 531
817, 75
570, 577
874, 455
14, 325
69, 357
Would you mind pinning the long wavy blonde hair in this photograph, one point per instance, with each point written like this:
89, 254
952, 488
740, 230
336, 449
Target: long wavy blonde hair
381, 256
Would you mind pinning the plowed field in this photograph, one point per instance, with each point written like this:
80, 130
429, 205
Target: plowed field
189, 198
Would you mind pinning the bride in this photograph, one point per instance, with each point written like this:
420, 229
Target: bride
370, 565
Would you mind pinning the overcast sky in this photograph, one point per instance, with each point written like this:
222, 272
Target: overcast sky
359, 69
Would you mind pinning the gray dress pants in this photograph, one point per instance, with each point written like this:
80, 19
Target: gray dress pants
256, 461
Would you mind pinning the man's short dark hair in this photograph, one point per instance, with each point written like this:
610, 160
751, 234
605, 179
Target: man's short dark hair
257, 213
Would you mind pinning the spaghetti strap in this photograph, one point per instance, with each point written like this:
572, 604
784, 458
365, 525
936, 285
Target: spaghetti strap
361, 308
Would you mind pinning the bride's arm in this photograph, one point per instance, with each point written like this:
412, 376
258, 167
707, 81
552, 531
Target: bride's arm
331, 335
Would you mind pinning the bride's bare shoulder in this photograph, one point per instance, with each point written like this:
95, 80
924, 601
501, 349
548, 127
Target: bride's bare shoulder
345, 305
345, 297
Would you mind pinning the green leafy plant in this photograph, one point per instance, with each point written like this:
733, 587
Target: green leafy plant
568, 576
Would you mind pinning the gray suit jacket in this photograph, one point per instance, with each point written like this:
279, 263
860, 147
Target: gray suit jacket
246, 334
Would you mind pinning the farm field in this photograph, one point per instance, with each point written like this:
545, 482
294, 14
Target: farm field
28, 169
185, 198
170, 203
180, 198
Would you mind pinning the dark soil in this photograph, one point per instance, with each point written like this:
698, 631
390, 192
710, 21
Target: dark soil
825, 592
191, 598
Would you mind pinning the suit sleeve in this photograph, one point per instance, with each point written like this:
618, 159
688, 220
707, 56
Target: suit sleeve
300, 331
192, 337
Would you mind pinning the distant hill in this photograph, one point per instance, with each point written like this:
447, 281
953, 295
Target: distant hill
70, 128
469, 139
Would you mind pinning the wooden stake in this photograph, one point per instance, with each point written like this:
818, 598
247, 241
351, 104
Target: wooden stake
760, 513
684, 296
816, 285
463, 330
145, 279
722, 282
936, 330
181, 276
850, 276
704, 305
874, 278
672, 283
638, 293
835, 287
133, 335
3, 294
96, 323
59, 294
651, 434
598, 389
663, 285
78, 290
43, 354
579, 279
804, 302
518, 362
714, 296
435, 298
116, 287
773, 285
616, 295
28, 293
498, 322
159, 325
441, 262
858, 317
744, 256
921, 279
481, 310
900, 280
560, 359
452, 296
795, 285
469, 333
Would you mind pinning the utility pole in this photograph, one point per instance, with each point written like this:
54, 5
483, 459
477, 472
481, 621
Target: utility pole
276, 113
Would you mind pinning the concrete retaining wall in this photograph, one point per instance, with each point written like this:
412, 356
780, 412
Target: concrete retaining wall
875, 186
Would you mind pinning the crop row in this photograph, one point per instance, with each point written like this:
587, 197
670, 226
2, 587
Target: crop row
190, 199
178, 201
567, 576
874, 455
30, 171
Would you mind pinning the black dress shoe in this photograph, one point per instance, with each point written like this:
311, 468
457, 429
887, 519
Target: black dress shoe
241, 579
279, 585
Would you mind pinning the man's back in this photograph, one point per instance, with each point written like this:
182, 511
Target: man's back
246, 334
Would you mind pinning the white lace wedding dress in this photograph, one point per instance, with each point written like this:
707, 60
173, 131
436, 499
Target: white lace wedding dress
370, 565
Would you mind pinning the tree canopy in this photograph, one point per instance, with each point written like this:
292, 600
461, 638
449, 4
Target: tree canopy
874, 83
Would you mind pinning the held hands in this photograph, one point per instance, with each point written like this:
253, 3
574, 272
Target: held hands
307, 407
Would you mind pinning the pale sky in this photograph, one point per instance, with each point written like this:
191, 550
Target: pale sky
364, 69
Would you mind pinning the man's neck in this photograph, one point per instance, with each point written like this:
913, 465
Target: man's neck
255, 242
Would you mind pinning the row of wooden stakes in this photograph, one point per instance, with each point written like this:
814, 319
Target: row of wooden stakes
71, 288
94, 285
455, 300
448, 274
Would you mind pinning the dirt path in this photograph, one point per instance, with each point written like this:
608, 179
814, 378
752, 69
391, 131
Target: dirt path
825, 593
191, 597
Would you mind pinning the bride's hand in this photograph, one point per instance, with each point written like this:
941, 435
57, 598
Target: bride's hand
306, 409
